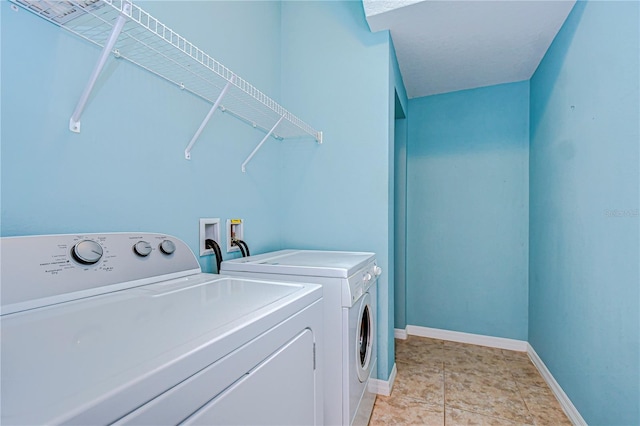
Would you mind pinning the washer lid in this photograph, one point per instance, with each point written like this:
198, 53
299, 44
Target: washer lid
96, 359
313, 263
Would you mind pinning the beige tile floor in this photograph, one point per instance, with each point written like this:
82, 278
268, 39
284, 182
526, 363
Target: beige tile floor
448, 383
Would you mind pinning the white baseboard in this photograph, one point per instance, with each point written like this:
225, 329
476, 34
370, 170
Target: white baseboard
474, 339
383, 387
566, 404
399, 333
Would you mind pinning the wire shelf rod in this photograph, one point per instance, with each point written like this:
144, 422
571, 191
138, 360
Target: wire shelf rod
244, 165
74, 121
187, 151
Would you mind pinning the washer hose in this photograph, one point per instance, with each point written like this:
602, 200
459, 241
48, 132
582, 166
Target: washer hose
244, 248
211, 244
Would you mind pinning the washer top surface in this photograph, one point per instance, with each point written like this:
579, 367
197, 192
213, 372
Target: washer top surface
315, 263
68, 357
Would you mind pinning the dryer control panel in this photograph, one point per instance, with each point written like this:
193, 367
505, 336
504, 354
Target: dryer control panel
46, 269
359, 283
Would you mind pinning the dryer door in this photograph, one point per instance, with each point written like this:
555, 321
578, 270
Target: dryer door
364, 337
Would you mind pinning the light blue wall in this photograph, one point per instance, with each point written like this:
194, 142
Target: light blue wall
398, 166
395, 100
584, 280
467, 211
398, 82
400, 219
126, 170
337, 194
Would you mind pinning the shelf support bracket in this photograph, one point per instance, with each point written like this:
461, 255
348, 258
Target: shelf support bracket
244, 165
187, 151
74, 122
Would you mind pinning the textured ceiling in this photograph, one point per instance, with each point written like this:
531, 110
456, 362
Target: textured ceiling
444, 46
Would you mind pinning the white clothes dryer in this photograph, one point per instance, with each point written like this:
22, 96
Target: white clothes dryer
125, 329
349, 281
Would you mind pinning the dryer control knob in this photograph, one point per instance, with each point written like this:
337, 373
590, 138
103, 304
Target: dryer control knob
167, 247
142, 248
87, 252
377, 271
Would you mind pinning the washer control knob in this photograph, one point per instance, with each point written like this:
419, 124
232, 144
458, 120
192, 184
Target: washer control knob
366, 277
167, 247
87, 252
377, 270
142, 248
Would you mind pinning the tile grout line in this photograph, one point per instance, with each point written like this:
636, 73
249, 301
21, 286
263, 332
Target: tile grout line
535, 420
511, 377
518, 387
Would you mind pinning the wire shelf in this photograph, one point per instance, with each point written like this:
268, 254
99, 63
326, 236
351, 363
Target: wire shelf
152, 45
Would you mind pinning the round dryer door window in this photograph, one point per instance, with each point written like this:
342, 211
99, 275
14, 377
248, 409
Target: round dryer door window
364, 338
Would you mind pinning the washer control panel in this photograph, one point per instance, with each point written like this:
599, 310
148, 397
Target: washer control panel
359, 283
48, 266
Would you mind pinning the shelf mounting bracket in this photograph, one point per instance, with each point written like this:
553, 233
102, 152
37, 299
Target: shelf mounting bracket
187, 151
74, 121
244, 165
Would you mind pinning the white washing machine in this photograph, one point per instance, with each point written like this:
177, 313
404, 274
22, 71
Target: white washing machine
125, 329
349, 281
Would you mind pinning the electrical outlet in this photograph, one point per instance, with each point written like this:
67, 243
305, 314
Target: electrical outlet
235, 229
209, 230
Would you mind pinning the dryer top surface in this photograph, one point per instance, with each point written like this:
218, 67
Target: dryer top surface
74, 357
